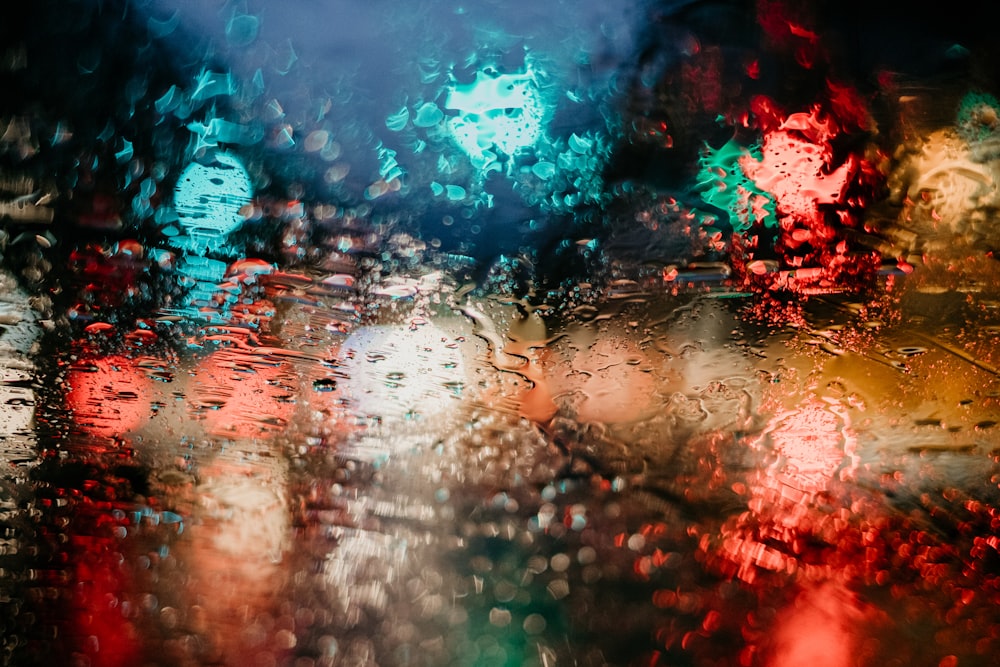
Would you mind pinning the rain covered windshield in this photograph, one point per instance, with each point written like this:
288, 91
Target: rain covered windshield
498, 333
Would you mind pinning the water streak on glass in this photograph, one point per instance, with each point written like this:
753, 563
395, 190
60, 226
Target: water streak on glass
659, 332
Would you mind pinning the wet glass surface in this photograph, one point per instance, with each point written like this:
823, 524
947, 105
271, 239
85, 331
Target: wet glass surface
498, 333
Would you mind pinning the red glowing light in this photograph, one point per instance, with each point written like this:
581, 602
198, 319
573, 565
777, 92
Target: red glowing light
239, 394
109, 396
795, 167
816, 198
812, 446
703, 81
786, 26
799, 31
821, 629
847, 106
767, 114
111, 640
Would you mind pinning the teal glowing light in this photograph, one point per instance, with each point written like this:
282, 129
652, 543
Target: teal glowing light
567, 174
209, 199
723, 183
496, 113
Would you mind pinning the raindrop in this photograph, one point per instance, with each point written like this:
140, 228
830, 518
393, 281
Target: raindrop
337, 173
504, 591
636, 542
534, 624
164, 27
560, 562
500, 617
544, 170
125, 153
325, 385
428, 115
286, 57
242, 30
89, 60
212, 84
273, 110
558, 588
579, 144
397, 121
331, 151
283, 137
316, 140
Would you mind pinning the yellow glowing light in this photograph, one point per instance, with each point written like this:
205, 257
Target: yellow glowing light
941, 184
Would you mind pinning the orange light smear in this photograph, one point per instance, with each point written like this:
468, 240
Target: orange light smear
256, 315
617, 386
109, 396
243, 397
536, 402
234, 557
531, 367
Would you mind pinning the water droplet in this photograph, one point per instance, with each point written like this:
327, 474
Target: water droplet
534, 624
165, 27
544, 170
428, 115
242, 30
396, 122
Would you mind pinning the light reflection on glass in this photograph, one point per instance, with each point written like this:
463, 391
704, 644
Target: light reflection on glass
810, 446
505, 333
407, 372
109, 396
495, 112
